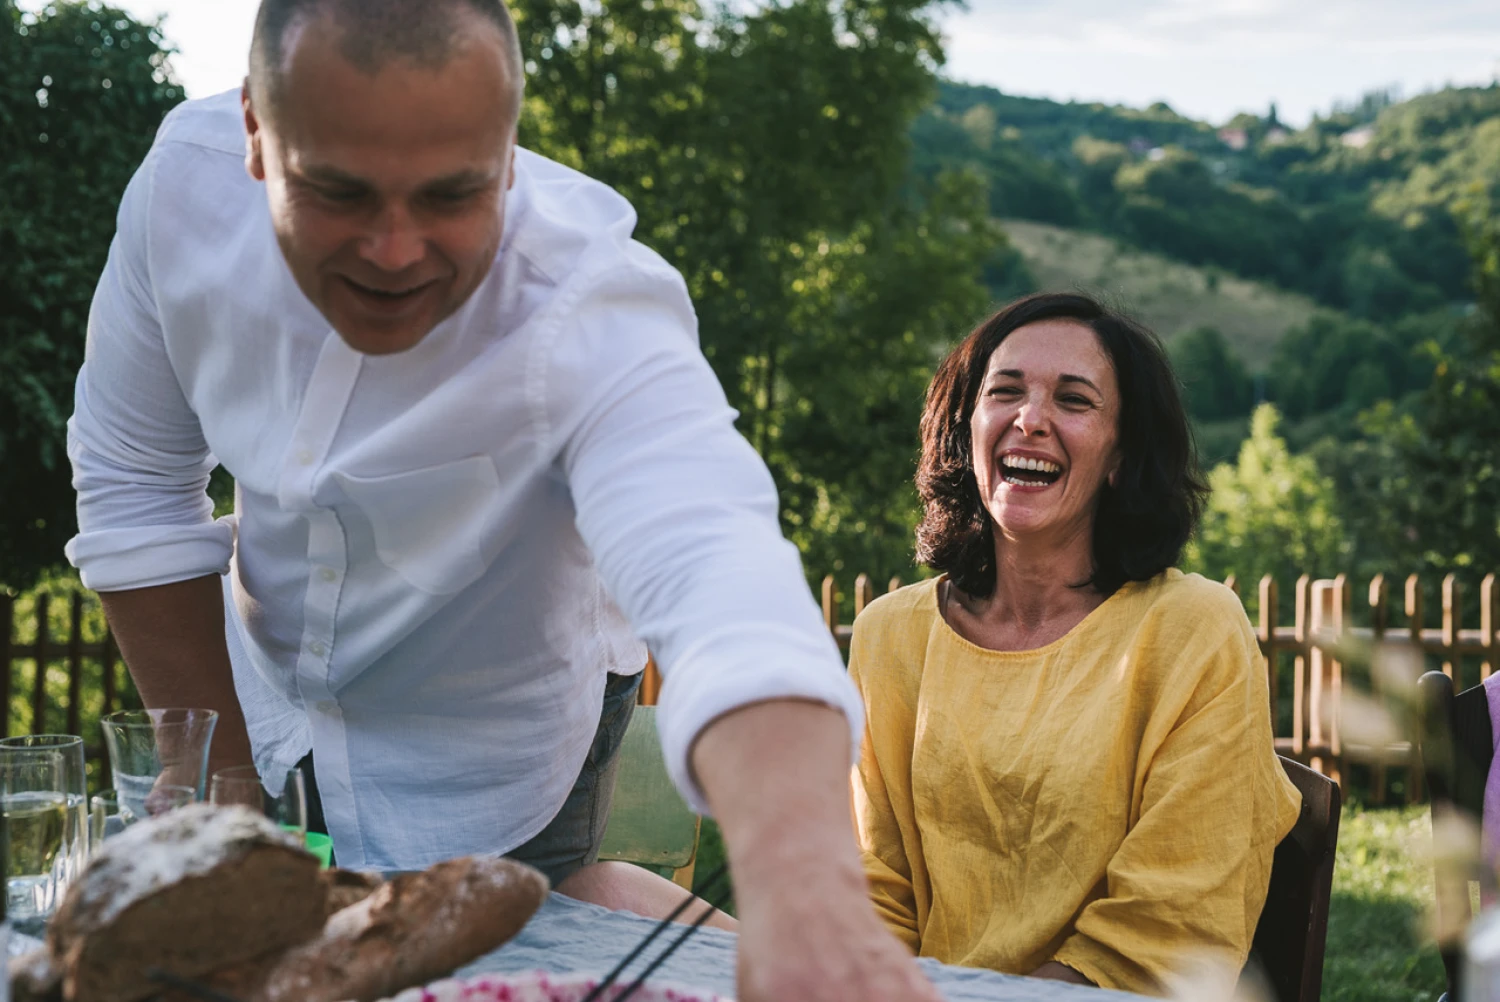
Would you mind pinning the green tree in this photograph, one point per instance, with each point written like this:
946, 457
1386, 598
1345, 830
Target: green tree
82, 90
1215, 382
1450, 448
765, 152
1270, 512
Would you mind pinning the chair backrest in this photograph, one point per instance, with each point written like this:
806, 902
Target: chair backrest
1456, 742
1293, 925
649, 822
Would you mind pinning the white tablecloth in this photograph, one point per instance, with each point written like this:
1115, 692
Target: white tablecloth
569, 936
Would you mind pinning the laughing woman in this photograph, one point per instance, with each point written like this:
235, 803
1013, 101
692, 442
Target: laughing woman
1068, 767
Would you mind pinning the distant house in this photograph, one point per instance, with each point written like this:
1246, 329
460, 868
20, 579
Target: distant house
1276, 135
1358, 138
1235, 139
1157, 153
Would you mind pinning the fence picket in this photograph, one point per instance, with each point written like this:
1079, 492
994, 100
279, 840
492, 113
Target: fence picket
75, 664
42, 650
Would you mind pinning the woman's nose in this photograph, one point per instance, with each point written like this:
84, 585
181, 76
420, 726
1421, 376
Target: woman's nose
1032, 418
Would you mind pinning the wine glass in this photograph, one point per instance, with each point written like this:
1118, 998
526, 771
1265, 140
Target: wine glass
282, 797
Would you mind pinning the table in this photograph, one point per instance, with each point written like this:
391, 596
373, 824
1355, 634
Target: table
569, 936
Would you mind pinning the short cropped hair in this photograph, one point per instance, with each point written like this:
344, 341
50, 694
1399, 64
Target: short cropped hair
377, 31
1143, 520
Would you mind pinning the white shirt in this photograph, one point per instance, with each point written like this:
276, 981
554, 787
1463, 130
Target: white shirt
436, 556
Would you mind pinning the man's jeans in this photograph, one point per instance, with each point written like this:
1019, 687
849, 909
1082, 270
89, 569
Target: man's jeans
571, 839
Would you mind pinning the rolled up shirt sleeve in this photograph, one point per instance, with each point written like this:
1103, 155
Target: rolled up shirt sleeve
140, 463
681, 516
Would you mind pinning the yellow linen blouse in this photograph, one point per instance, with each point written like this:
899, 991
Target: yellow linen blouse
1110, 801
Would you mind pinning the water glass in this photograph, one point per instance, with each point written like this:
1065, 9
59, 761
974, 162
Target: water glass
280, 797
152, 748
35, 810
108, 817
75, 788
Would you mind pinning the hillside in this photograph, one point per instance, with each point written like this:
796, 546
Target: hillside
1168, 296
1361, 210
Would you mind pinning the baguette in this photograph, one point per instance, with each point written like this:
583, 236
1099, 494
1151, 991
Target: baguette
416, 928
347, 887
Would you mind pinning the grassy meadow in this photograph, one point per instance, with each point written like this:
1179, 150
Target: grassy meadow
1167, 295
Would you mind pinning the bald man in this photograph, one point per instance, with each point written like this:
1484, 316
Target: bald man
477, 455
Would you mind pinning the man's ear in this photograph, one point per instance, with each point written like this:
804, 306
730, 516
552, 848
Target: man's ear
254, 162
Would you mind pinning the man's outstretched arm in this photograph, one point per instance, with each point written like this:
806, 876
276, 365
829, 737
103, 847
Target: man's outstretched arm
172, 639
777, 777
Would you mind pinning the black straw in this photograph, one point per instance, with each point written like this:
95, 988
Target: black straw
672, 948
661, 927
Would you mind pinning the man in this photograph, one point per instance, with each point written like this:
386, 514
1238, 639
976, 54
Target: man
467, 416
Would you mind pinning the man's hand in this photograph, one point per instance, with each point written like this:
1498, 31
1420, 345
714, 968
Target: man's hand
777, 777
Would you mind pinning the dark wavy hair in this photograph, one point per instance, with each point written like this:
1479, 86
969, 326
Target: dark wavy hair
1142, 521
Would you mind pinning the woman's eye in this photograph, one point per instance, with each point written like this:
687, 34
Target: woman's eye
1004, 391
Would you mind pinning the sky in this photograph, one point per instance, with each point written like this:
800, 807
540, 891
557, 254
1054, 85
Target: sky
1208, 59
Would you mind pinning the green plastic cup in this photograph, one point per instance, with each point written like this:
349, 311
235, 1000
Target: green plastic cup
321, 846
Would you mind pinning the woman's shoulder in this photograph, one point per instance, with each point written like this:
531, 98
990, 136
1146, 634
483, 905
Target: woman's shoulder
902, 609
1175, 595
1186, 614
892, 632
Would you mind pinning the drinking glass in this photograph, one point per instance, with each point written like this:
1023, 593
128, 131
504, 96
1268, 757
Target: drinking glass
280, 797
150, 748
35, 809
108, 817
75, 788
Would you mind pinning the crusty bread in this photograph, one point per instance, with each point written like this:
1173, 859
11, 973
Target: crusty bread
413, 929
189, 892
34, 978
346, 887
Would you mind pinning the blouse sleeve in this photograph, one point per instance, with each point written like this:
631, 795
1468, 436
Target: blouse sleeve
887, 867
1187, 884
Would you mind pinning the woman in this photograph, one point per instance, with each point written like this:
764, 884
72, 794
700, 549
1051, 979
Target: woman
1068, 767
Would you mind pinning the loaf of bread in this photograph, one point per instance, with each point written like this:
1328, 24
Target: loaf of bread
189, 892
34, 978
415, 928
347, 887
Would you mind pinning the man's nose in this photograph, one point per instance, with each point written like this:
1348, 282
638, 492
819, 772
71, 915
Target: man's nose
396, 242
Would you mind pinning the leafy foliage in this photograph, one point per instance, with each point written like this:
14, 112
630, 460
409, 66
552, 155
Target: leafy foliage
82, 89
765, 153
1214, 380
1271, 512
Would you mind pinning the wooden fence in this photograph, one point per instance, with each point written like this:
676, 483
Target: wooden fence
44, 652
1326, 625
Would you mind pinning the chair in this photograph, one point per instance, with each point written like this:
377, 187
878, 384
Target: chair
1293, 925
649, 823
1456, 743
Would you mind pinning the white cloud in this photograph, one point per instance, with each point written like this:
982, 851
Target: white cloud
1211, 58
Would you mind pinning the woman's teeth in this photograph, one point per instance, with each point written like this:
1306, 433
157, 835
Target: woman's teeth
1026, 472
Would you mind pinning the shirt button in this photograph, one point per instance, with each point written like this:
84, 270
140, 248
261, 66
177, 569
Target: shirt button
317, 648
326, 706
304, 456
328, 574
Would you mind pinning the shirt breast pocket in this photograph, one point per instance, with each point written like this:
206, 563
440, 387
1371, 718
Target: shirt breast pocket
429, 524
